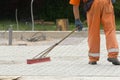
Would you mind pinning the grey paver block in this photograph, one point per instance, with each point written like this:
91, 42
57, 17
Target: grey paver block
66, 60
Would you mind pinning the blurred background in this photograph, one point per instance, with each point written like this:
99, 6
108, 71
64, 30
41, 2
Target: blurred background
17, 13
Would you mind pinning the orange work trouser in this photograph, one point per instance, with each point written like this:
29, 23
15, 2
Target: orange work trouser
101, 12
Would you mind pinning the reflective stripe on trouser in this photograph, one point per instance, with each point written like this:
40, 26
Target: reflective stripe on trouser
94, 56
101, 12
113, 52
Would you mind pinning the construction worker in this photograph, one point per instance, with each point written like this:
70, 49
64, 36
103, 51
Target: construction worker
98, 12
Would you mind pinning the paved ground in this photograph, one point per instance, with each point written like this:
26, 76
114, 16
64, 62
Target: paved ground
68, 62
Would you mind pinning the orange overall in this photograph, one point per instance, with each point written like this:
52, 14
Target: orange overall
101, 12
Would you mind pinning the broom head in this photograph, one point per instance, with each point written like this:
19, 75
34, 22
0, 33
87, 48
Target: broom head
38, 60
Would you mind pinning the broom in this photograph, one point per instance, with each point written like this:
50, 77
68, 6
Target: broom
41, 57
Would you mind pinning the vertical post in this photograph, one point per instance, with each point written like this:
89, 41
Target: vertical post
16, 19
10, 35
32, 15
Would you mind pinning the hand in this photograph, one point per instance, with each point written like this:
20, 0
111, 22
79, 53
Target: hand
78, 24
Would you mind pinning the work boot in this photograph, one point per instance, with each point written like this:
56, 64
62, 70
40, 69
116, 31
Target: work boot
93, 63
114, 61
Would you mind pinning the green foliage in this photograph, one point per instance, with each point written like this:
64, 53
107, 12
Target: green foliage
55, 9
49, 10
117, 8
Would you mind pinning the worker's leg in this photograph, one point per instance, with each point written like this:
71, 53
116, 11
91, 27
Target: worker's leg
93, 19
108, 21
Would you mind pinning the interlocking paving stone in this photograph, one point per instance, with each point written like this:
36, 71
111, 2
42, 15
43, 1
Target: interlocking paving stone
66, 60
